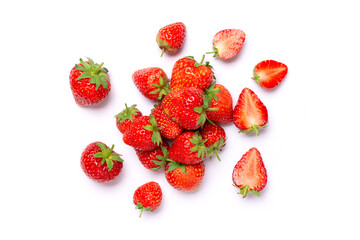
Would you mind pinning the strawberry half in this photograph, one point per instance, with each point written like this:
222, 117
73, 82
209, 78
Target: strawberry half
148, 197
171, 37
249, 173
227, 43
250, 114
269, 73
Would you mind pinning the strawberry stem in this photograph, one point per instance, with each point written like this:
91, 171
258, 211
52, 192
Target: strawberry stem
202, 59
162, 52
98, 68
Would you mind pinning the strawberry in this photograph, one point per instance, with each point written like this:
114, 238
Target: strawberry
152, 82
269, 73
188, 148
215, 137
125, 118
171, 37
249, 173
143, 134
189, 73
227, 43
89, 82
93, 160
148, 197
250, 114
168, 128
186, 107
156, 158
221, 100
183, 177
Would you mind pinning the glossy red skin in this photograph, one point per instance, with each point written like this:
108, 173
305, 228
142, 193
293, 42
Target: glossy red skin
138, 137
147, 157
144, 78
149, 195
84, 92
174, 34
213, 133
250, 170
180, 150
179, 106
185, 74
233, 40
224, 104
122, 126
245, 115
92, 165
170, 129
188, 182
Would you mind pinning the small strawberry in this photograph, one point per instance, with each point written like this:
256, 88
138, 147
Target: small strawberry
168, 128
269, 73
148, 197
143, 134
186, 107
227, 43
89, 82
221, 100
152, 82
171, 37
249, 173
125, 118
189, 73
250, 114
215, 137
188, 148
93, 160
187, 178
156, 158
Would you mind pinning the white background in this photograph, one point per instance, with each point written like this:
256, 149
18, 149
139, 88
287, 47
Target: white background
310, 148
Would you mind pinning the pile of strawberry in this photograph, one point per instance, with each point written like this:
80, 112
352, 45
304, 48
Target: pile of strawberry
185, 126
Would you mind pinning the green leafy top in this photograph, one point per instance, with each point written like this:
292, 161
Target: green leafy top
198, 64
107, 155
162, 159
156, 136
162, 88
199, 145
202, 110
127, 113
94, 71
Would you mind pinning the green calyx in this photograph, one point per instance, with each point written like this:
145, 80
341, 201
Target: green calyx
253, 129
245, 189
127, 113
210, 92
107, 155
198, 64
174, 165
142, 208
162, 160
94, 71
202, 110
162, 88
156, 136
164, 45
199, 146
215, 147
215, 52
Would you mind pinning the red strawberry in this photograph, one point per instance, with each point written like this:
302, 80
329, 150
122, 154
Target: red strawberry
93, 160
227, 43
185, 178
143, 134
167, 127
152, 82
221, 100
215, 137
186, 107
188, 148
171, 37
269, 73
156, 158
125, 118
89, 82
249, 173
189, 73
250, 114
148, 197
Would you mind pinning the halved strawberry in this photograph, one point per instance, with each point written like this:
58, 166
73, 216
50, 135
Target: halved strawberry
269, 73
227, 43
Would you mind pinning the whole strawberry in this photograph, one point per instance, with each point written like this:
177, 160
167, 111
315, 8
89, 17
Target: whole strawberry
214, 136
221, 100
156, 158
143, 134
189, 73
148, 197
269, 73
126, 117
100, 162
249, 173
152, 82
227, 43
187, 178
167, 127
250, 114
171, 37
188, 148
89, 82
